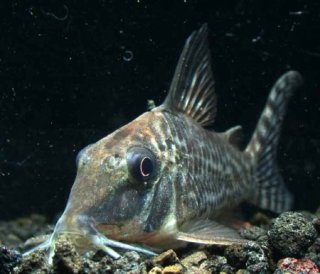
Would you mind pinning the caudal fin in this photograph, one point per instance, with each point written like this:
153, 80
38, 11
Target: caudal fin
272, 194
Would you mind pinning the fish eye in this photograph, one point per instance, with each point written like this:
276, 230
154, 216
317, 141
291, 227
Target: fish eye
141, 163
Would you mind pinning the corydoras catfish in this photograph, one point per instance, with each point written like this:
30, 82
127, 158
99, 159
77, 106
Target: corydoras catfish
165, 179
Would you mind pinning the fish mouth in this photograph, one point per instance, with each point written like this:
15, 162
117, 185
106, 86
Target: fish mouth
80, 231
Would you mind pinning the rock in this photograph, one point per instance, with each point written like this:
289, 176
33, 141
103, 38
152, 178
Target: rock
173, 269
166, 258
133, 256
216, 264
155, 270
298, 265
250, 256
314, 252
261, 268
194, 259
66, 259
15, 232
95, 267
167, 262
254, 233
33, 263
194, 262
130, 262
291, 234
242, 271
316, 224
315, 257
236, 256
254, 257
8, 260
257, 261
96, 264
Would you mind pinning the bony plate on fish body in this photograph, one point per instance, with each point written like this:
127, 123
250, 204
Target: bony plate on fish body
164, 179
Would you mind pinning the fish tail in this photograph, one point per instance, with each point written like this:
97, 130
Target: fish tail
273, 193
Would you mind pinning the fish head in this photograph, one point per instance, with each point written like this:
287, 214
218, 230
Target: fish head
127, 184
121, 190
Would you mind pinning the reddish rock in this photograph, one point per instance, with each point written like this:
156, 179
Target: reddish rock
297, 266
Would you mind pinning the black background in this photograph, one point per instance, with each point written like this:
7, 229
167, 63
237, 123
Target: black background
66, 81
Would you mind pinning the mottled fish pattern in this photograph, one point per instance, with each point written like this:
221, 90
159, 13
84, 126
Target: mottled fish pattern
166, 179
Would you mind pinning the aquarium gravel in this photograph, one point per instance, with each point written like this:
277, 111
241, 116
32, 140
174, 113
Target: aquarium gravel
300, 251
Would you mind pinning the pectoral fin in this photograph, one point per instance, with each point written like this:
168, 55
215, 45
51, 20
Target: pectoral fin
208, 232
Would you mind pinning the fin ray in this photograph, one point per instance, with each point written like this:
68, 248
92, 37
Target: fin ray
272, 194
234, 136
204, 231
192, 88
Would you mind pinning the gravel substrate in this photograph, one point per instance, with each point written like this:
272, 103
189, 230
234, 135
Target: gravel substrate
289, 243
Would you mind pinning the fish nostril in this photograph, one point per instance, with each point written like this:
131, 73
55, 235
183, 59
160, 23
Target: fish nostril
113, 161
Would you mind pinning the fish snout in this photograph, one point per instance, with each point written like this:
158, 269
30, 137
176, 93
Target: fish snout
74, 229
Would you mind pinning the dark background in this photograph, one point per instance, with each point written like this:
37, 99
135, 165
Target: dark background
67, 78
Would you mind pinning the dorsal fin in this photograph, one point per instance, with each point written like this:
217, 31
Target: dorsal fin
192, 88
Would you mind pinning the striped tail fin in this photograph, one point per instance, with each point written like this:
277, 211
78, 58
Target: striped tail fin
272, 194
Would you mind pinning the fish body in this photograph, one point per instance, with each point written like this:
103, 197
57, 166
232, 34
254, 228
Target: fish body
166, 179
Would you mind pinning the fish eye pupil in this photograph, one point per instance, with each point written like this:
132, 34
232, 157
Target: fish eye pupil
146, 167
141, 164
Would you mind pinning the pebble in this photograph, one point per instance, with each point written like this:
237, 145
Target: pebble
236, 256
173, 269
298, 265
196, 263
194, 259
250, 256
66, 258
216, 264
291, 234
8, 259
253, 233
155, 270
316, 224
166, 258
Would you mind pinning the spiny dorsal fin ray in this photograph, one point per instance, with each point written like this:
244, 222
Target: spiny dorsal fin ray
192, 88
234, 136
272, 194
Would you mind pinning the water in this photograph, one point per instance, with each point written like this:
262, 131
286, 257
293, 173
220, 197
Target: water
65, 83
